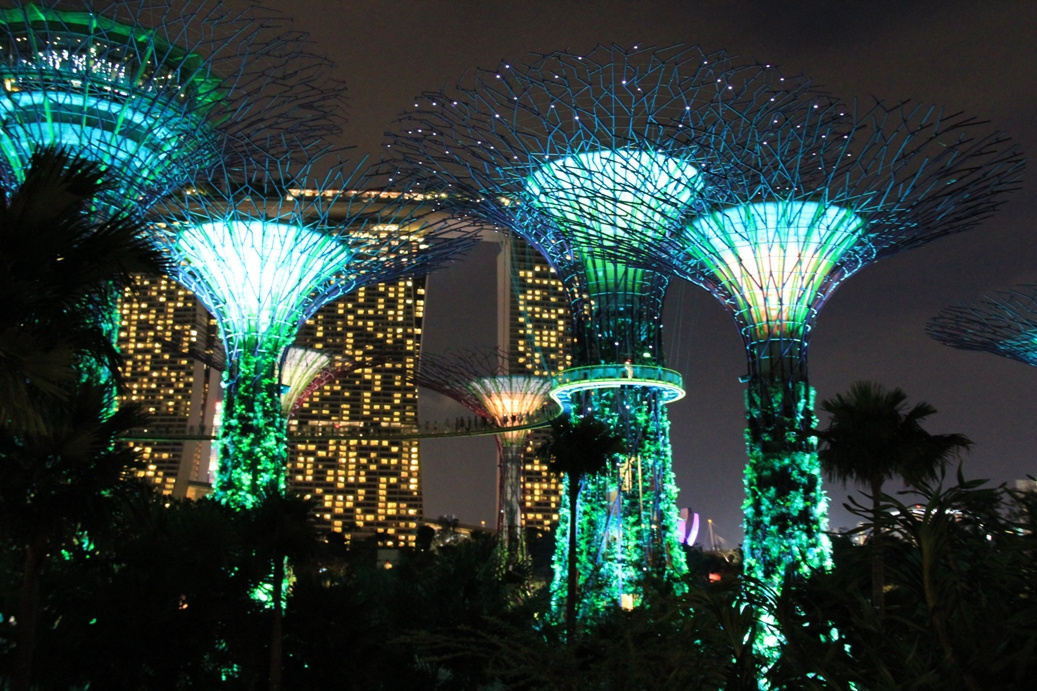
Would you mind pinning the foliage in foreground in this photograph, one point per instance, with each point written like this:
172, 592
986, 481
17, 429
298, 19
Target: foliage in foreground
163, 600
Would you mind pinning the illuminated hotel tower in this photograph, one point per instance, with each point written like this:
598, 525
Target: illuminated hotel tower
533, 327
369, 486
172, 361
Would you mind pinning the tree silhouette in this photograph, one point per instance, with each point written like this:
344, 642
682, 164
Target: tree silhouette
578, 448
60, 269
281, 533
872, 437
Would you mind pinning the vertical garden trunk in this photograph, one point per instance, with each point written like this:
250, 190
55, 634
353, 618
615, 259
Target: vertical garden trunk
25, 629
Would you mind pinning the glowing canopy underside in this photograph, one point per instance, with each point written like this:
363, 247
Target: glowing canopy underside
113, 93
510, 397
300, 367
771, 259
610, 198
255, 276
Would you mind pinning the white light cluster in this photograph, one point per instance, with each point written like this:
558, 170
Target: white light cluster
255, 275
300, 367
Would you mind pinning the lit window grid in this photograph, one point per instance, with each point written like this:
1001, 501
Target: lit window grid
159, 327
364, 487
540, 344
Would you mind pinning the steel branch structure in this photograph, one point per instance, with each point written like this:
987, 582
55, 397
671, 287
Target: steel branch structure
1003, 323
806, 202
263, 257
576, 154
155, 91
480, 381
327, 374
300, 367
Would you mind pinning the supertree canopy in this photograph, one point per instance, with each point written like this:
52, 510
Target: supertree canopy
575, 154
263, 257
807, 200
1003, 323
154, 91
300, 367
480, 381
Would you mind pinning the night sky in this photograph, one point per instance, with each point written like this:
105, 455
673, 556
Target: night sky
979, 57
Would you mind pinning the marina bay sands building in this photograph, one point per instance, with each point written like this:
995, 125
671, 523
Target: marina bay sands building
533, 327
171, 363
341, 451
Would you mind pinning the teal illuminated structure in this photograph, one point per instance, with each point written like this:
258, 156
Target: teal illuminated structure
810, 198
1003, 323
156, 93
262, 257
576, 154
480, 381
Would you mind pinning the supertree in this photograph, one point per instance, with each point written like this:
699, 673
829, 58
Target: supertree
1003, 323
807, 200
263, 251
480, 381
574, 153
155, 91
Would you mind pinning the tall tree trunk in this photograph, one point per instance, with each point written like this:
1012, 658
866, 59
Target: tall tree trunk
878, 564
570, 600
25, 629
277, 626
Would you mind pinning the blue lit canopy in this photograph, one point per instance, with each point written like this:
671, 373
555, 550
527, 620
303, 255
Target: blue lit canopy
1003, 323
113, 92
259, 276
602, 199
813, 196
156, 92
627, 195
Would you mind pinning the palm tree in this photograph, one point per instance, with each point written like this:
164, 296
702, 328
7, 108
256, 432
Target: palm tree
61, 270
281, 532
872, 437
56, 485
578, 449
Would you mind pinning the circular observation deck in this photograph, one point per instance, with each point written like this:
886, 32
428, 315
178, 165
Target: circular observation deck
667, 382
